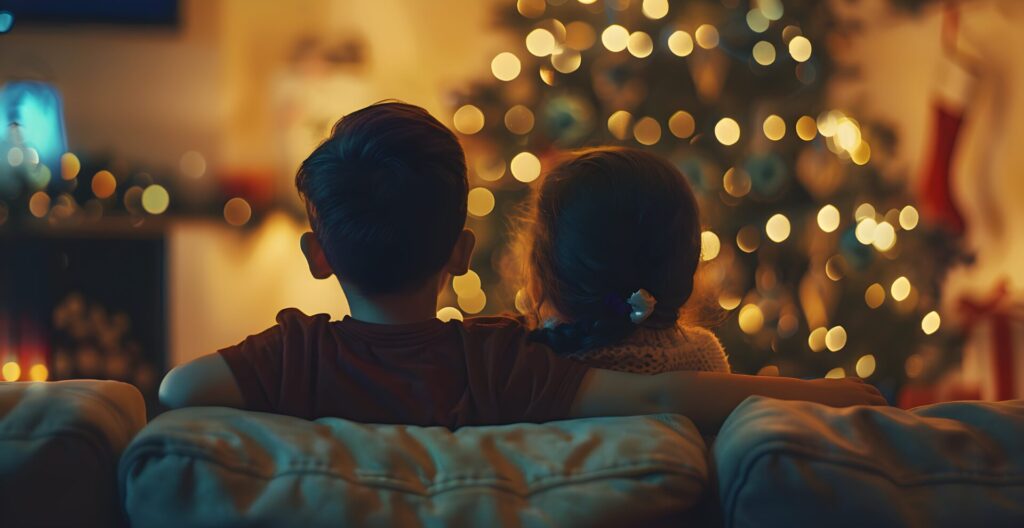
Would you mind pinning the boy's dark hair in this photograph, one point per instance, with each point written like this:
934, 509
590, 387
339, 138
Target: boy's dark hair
386, 196
605, 224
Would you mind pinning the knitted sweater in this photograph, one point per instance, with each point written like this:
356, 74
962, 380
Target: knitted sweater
652, 351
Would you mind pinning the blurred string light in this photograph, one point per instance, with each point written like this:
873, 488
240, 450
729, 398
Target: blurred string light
772, 9
680, 43
618, 124
11, 371
640, 44
751, 319
490, 169
865, 366
38, 372
800, 48
836, 373
39, 204
864, 210
473, 304
449, 313
15, 156
192, 164
806, 128
707, 36
756, 21
586, 2
865, 231
835, 267
505, 66
466, 284
480, 202
835, 339
566, 60
615, 38
655, 9
70, 166
468, 119
727, 131
930, 322
728, 301
764, 53
885, 236
681, 124
647, 131
777, 228
531, 8
828, 218
710, 245
909, 217
540, 42
519, 120
525, 167
816, 339
900, 289
874, 296
579, 35
774, 128
736, 182
6, 21
748, 239
237, 212
155, 199
104, 184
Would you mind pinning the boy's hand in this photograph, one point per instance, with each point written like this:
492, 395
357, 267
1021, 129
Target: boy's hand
845, 392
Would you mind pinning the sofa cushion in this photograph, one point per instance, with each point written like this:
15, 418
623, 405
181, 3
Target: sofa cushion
59, 447
223, 467
802, 464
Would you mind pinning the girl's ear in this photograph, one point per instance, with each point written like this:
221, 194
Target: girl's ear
462, 254
315, 257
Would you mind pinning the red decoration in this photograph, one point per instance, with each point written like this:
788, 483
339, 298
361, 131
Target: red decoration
994, 352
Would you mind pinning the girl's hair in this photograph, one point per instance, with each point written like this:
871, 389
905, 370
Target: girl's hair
604, 224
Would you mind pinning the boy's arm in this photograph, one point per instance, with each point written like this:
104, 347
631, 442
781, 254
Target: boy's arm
707, 398
205, 381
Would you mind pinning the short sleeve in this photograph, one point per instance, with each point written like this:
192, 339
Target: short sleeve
256, 364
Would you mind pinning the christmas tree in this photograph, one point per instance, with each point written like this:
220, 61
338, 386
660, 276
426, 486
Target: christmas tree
816, 254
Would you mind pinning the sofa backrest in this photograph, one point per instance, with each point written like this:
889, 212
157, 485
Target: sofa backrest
224, 467
59, 447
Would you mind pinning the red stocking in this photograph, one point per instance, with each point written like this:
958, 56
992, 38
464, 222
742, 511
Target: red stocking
936, 194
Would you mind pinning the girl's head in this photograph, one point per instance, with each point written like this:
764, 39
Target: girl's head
604, 224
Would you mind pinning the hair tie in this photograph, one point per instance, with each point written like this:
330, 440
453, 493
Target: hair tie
642, 305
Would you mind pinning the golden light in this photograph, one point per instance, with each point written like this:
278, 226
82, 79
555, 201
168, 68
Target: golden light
864, 210
710, 245
473, 304
39, 204
237, 212
777, 228
15, 156
874, 296
756, 21
751, 319
748, 239
827, 123
828, 218
468, 119
531, 8
764, 53
681, 124
836, 373
736, 182
11, 371
647, 131
133, 199
774, 128
727, 131
847, 134
806, 128
909, 217
490, 169
865, 231
788, 325
579, 35
930, 322
618, 124
772, 9
680, 43
655, 9
525, 167
865, 366
885, 236
449, 313
69, 166
615, 38
192, 164
835, 338
155, 199
900, 289
547, 75
800, 48
640, 44
466, 285
728, 302
38, 372
522, 301
835, 267
519, 120
861, 155
505, 66
816, 339
587, 2
707, 36
914, 365
480, 202
566, 60
103, 184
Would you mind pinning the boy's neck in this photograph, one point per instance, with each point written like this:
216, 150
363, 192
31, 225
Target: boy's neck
393, 309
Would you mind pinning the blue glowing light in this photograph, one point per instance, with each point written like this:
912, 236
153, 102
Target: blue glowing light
31, 116
6, 21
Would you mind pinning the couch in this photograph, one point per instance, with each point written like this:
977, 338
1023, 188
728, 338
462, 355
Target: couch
80, 454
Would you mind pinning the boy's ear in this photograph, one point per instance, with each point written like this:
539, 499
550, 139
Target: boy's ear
315, 257
462, 254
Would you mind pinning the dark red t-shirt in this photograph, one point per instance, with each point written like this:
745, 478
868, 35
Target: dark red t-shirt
480, 372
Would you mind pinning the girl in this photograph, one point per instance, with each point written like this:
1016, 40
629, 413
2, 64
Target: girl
612, 246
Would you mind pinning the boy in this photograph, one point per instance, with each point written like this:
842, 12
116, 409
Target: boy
386, 198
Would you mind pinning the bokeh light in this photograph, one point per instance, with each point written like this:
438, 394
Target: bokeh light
505, 66
728, 301
800, 48
710, 245
816, 339
69, 166
756, 21
466, 284
777, 228
525, 167
237, 212
566, 60
748, 239
618, 124
468, 119
864, 210
15, 156
806, 128
774, 128
540, 42
764, 53
836, 373
519, 120
531, 8
103, 184
39, 204
11, 371
751, 319
874, 296
681, 124
828, 218
885, 236
655, 9
473, 304
727, 131
835, 338
640, 44
900, 289
680, 43
707, 36
192, 164
480, 202
615, 38
579, 35
736, 182
647, 131
155, 199
449, 313
930, 322
865, 231
909, 217
865, 366
38, 372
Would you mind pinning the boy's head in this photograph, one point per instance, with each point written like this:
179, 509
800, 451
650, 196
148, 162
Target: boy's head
386, 197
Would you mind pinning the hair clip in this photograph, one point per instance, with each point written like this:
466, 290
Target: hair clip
642, 305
